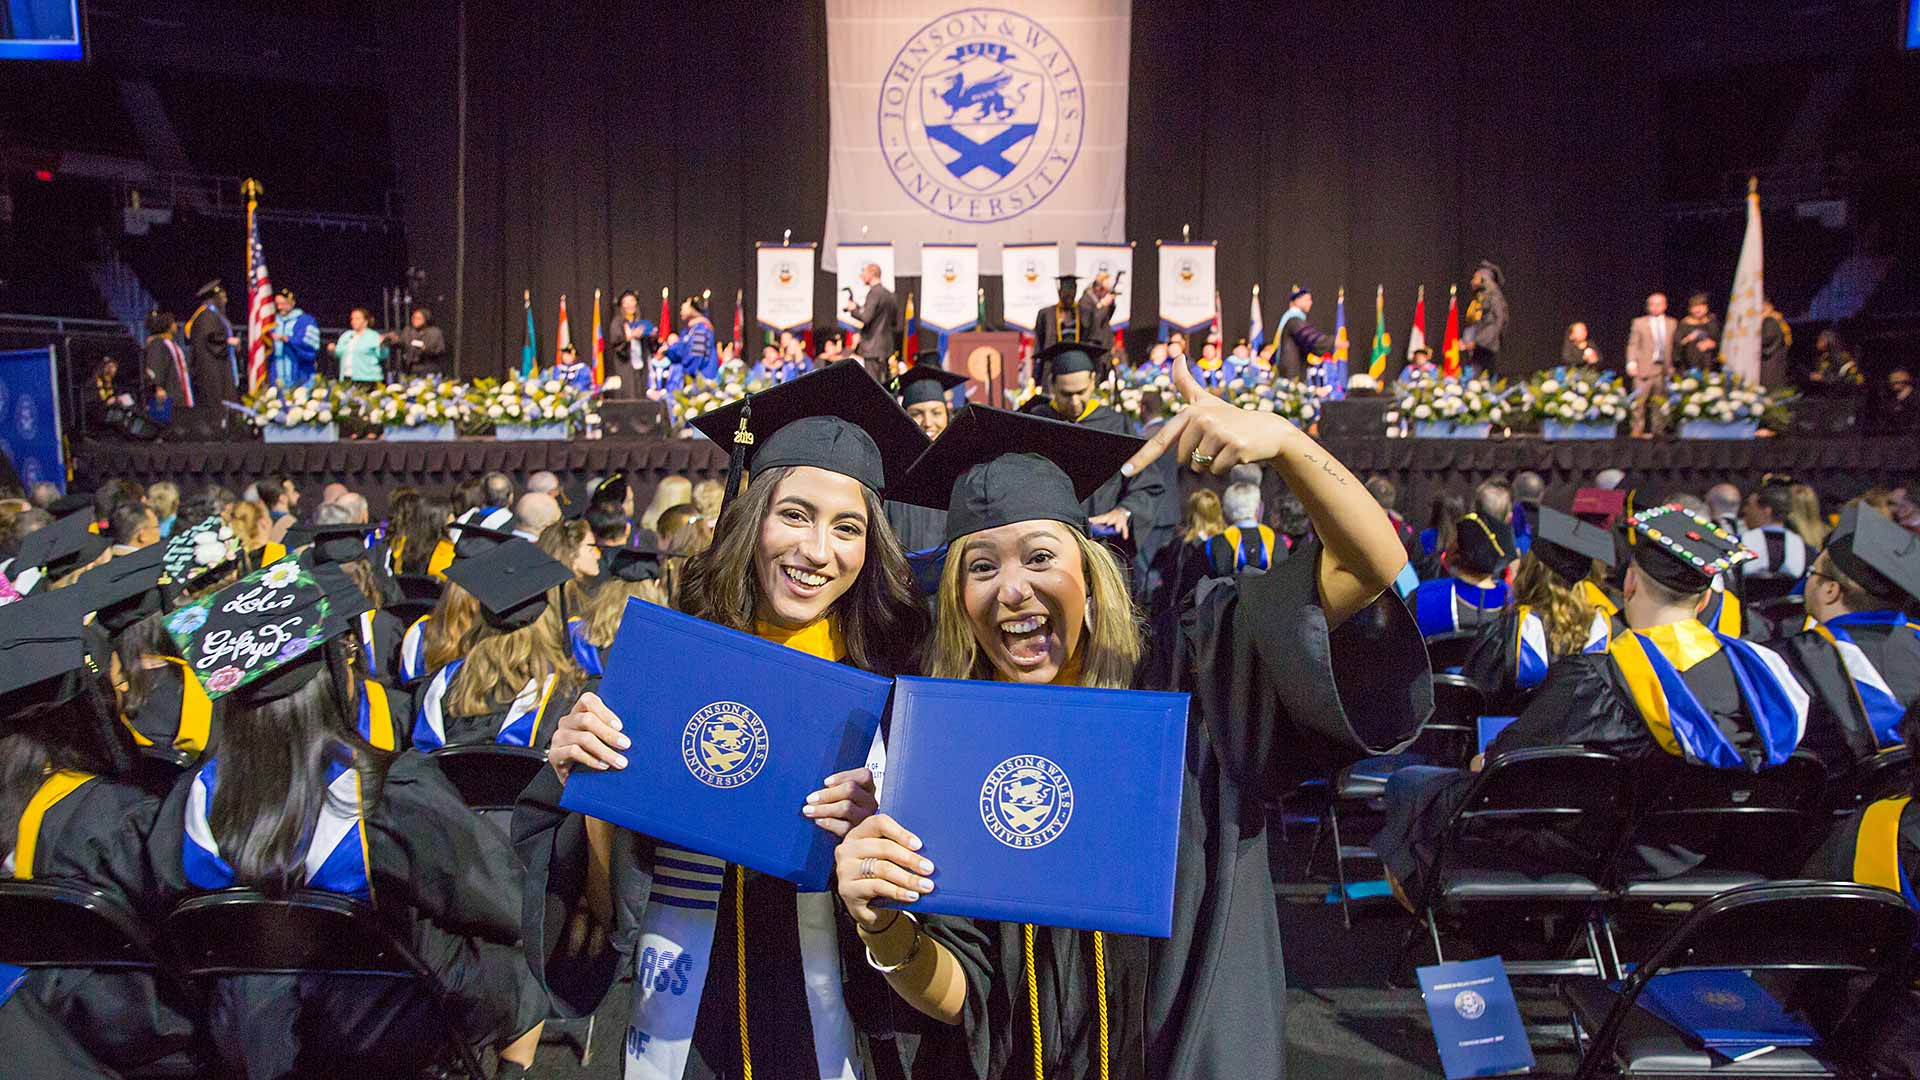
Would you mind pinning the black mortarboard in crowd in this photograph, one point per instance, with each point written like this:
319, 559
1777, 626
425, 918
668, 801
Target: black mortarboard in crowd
1482, 546
1065, 358
73, 502
510, 582
926, 381
613, 490
992, 467
43, 655
1881, 556
638, 563
836, 418
263, 637
333, 543
61, 547
192, 553
210, 290
1681, 550
124, 590
1570, 546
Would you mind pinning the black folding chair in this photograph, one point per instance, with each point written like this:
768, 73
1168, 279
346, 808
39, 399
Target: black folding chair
1801, 928
1530, 843
1446, 652
244, 932
419, 588
1883, 776
1741, 827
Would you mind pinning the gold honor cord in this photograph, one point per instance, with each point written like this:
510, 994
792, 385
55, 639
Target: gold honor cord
1100, 996
740, 965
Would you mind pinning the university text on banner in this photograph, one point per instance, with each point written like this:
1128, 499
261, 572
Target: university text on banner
30, 417
1027, 273
784, 300
982, 124
1186, 285
949, 286
1116, 261
849, 260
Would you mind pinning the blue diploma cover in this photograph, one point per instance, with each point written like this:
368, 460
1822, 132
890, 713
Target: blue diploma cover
728, 742
1724, 1010
1475, 1019
1044, 804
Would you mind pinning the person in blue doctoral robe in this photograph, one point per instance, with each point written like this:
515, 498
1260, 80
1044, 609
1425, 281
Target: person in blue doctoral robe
1473, 590
296, 342
572, 370
693, 351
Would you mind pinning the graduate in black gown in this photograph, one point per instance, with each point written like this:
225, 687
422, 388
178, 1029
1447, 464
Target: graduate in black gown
633, 573
290, 796
1069, 375
1292, 672
1667, 690
386, 709
1472, 589
1551, 615
1860, 656
68, 816
803, 557
926, 393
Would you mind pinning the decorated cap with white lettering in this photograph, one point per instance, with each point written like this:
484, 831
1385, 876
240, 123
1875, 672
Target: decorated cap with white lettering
1682, 550
265, 635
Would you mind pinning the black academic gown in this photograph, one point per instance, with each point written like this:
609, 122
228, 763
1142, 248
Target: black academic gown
1888, 1029
211, 370
1839, 732
918, 527
1493, 664
1140, 494
1276, 698
485, 727
447, 883
97, 837
1063, 322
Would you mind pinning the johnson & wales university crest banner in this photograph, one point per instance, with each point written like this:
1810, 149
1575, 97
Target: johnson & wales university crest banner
978, 125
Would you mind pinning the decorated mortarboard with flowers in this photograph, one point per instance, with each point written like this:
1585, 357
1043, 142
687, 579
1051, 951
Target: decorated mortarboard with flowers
196, 552
264, 635
1682, 550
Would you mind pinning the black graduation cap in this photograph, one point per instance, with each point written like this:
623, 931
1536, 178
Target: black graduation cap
1297, 292
611, 490
926, 381
124, 590
510, 582
993, 467
61, 546
1871, 549
638, 563
71, 503
1482, 546
480, 530
43, 655
1067, 279
1682, 550
334, 543
836, 418
1065, 358
209, 290
264, 636
208, 547
1570, 546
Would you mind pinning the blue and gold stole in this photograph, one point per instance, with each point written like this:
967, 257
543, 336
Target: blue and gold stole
585, 653
57, 786
1438, 609
413, 650
337, 860
1877, 702
1876, 850
1652, 663
1530, 656
519, 728
374, 718
1723, 613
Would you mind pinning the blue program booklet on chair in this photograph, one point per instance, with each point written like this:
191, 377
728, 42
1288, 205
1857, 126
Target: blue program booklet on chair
728, 741
1724, 1010
1476, 1022
1052, 805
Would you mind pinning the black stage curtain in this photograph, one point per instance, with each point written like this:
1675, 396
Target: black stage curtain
641, 145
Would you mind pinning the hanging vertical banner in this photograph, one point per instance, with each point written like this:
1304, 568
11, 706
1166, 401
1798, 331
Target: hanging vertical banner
848, 260
784, 297
1027, 273
981, 124
1186, 285
30, 417
1090, 260
950, 286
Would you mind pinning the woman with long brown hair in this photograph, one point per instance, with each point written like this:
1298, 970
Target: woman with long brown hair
444, 635
804, 558
1551, 615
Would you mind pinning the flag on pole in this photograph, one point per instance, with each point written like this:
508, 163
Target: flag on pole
739, 327
1417, 337
599, 344
1256, 326
1740, 344
1450, 344
528, 350
1337, 364
666, 316
259, 297
1214, 332
1382, 341
912, 348
564, 337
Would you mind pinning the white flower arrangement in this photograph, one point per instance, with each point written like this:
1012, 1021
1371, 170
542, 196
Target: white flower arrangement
1722, 397
420, 402
1476, 399
317, 404
488, 404
1575, 397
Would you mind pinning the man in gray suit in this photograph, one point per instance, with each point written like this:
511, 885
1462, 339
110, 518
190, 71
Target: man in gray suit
876, 317
1649, 360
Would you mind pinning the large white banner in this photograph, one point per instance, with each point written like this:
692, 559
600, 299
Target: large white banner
1027, 273
849, 260
949, 286
1186, 285
1115, 261
977, 124
784, 298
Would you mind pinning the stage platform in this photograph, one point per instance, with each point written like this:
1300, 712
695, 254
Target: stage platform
1838, 467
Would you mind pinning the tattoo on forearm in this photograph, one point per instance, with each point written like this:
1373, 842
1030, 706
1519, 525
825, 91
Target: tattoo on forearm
1326, 466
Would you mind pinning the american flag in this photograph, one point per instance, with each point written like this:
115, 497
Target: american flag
259, 306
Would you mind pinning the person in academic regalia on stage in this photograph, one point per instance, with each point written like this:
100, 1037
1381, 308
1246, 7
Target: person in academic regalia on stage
1068, 319
70, 815
1069, 375
1668, 692
803, 558
572, 370
1291, 673
292, 797
212, 365
296, 343
693, 352
1298, 341
926, 393
1480, 340
1474, 590
165, 371
1859, 655
1551, 614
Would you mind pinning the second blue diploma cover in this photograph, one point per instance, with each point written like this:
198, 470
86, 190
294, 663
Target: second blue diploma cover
1044, 804
728, 741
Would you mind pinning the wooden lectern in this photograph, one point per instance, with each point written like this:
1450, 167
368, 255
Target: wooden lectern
991, 361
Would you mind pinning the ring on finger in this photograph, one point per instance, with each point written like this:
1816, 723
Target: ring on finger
1202, 459
866, 867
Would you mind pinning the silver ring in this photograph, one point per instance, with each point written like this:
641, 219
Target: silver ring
866, 867
1202, 459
